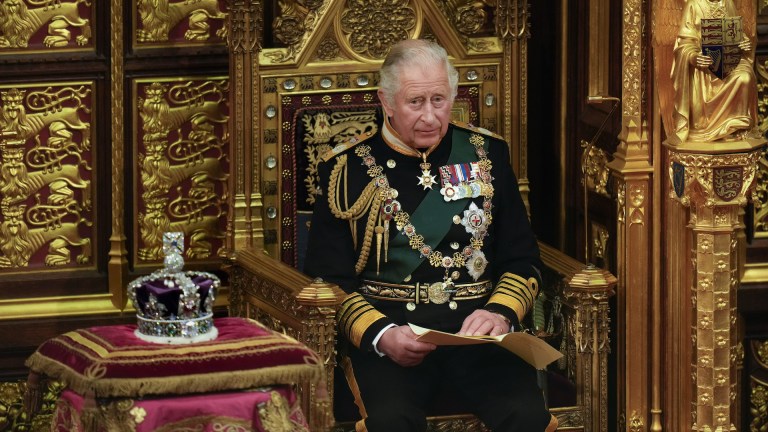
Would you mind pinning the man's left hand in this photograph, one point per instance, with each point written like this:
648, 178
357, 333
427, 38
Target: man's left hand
482, 322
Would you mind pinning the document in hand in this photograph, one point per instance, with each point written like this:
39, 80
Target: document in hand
529, 348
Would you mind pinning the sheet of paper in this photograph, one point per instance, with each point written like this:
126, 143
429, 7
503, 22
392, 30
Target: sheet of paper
528, 347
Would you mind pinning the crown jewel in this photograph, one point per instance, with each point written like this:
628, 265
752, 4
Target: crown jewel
174, 306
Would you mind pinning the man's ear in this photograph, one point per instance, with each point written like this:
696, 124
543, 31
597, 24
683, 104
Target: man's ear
388, 110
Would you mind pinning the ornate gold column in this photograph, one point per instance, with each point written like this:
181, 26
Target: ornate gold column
512, 28
589, 291
713, 181
632, 170
244, 218
118, 254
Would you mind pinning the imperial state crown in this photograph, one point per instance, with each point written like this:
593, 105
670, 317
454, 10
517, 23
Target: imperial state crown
174, 306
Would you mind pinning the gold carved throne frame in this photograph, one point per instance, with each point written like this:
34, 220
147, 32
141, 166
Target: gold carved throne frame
304, 74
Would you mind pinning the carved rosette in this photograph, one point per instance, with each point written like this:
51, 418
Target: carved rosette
370, 36
293, 26
758, 401
715, 186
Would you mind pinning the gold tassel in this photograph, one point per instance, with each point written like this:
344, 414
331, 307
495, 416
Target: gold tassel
33, 397
90, 411
379, 230
386, 240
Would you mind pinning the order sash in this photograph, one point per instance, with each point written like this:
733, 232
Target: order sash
432, 219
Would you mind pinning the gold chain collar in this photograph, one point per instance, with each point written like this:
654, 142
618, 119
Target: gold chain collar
391, 207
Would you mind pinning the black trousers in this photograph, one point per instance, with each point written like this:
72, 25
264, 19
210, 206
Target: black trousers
492, 383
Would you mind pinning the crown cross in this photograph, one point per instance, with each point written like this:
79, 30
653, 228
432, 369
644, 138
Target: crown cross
173, 248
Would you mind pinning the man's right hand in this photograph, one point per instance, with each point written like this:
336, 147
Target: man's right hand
400, 344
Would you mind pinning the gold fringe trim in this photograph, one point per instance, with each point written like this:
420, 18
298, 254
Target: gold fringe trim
194, 383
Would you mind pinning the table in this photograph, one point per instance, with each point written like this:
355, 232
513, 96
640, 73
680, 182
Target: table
115, 381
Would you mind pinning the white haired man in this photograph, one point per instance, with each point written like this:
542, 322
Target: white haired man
422, 222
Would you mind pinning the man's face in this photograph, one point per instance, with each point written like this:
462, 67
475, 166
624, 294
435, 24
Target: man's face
422, 106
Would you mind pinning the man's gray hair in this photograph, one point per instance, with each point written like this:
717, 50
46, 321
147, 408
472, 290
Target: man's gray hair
414, 52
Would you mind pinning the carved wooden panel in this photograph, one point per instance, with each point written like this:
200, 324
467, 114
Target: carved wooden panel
173, 23
47, 163
31, 26
181, 166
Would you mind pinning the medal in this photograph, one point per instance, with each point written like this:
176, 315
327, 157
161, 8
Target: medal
474, 220
476, 264
426, 178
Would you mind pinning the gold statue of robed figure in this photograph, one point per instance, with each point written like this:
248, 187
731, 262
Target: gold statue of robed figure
712, 92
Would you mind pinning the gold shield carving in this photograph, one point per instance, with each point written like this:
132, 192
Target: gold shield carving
727, 182
182, 143
46, 163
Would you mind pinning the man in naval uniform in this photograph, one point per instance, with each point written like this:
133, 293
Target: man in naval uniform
422, 222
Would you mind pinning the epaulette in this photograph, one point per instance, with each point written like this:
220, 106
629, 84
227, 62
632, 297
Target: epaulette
477, 129
345, 145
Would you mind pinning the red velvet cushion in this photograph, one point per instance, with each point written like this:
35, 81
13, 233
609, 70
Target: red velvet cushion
112, 362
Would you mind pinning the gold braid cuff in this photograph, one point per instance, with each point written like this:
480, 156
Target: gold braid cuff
355, 316
516, 293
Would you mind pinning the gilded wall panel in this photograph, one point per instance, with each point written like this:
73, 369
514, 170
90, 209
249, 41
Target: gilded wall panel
28, 26
162, 23
760, 195
47, 176
181, 170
